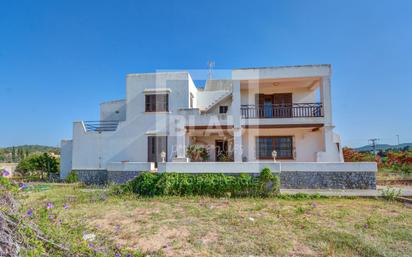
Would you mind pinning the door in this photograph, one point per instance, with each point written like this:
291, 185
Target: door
221, 150
156, 145
283, 105
265, 106
268, 106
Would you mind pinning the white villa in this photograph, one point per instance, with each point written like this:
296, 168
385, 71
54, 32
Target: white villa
240, 121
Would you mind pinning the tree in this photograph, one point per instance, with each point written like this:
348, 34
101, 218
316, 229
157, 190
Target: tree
39, 165
20, 154
13, 154
27, 166
48, 164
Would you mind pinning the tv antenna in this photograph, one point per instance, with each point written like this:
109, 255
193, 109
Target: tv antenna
210, 65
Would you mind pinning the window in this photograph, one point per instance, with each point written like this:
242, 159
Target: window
157, 103
282, 145
223, 109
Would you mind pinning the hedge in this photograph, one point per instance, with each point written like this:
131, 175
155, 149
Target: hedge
216, 185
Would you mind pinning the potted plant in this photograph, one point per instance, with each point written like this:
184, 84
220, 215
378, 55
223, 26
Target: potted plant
197, 153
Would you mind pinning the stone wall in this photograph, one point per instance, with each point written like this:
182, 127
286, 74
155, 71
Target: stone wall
121, 177
288, 179
327, 180
101, 177
98, 177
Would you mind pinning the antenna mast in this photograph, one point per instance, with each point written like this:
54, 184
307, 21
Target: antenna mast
210, 64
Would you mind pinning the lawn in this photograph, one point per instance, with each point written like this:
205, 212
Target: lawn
203, 226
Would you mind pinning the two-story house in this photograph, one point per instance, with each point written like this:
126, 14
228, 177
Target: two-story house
241, 119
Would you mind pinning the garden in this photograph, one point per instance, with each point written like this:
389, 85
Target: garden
164, 215
393, 164
197, 215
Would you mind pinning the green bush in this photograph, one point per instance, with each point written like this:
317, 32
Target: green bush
72, 177
197, 153
269, 183
217, 185
38, 165
5, 183
391, 194
300, 196
405, 168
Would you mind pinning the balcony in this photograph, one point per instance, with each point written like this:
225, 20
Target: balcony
273, 111
100, 126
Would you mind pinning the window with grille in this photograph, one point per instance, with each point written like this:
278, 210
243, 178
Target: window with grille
283, 146
157, 103
223, 109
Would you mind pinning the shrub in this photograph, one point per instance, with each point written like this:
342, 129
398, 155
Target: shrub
144, 184
72, 177
225, 156
391, 194
269, 183
405, 168
300, 196
217, 185
197, 153
5, 183
38, 165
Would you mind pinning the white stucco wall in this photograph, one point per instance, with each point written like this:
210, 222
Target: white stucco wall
93, 150
193, 90
207, 98
113, 110
256, 167
306, 143
66, 153
303, 71
299, 95
218, 167
226, 102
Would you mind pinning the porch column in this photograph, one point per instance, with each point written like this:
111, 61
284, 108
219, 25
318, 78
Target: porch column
237, 126
238, 144
325, 96
182, 140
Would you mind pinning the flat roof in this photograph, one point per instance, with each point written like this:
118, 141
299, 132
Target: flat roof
281, 67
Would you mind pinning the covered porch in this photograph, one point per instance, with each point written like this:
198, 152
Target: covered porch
218, 141
255, 143
297, 143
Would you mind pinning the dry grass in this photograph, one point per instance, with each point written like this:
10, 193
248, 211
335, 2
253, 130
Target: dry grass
195, 226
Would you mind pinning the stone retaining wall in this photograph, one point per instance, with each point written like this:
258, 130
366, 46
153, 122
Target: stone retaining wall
98, 177
121, 177
327, 180
101, 177
288, 179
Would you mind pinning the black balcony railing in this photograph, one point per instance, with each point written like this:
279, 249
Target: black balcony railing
101, 126
282, 110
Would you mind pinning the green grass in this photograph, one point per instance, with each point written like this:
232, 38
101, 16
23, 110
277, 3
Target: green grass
204, 226
388, 174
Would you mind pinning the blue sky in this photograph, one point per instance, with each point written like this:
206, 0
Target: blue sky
60, 59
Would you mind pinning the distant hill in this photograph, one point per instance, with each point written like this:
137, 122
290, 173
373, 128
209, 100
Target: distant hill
32, 148
382, 147
18, 152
